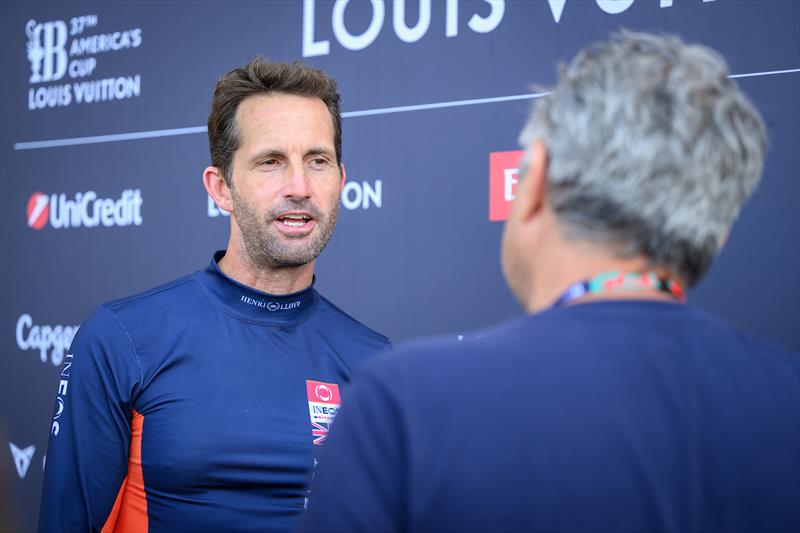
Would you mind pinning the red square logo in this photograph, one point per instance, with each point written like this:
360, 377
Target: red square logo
503, 176
321, 392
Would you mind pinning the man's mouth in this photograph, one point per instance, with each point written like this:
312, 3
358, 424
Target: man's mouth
294, 221
296, 224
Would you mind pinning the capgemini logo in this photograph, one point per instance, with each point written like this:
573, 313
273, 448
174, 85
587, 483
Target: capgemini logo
50, 341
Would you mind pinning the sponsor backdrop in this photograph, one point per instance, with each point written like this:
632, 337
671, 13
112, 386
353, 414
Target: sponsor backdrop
103, 142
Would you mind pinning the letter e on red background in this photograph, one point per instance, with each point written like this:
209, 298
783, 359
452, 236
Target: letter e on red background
503, 176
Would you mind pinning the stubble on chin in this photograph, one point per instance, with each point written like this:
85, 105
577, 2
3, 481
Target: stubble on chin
268, 250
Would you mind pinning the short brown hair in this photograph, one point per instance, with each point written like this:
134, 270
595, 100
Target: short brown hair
260, 76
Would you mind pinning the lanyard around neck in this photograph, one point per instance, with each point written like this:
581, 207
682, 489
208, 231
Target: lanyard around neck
623, 282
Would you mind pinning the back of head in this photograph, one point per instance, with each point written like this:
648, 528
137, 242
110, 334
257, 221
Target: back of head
652, 150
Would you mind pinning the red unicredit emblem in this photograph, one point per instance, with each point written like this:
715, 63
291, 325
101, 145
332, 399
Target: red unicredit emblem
38, 210
503, 177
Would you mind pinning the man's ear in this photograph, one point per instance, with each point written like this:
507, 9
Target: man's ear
217, 188
344, 174
532, 190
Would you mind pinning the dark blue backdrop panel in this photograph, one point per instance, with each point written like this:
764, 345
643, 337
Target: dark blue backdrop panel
414, 252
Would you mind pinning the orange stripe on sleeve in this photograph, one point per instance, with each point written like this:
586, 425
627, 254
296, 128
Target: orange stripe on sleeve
129, 514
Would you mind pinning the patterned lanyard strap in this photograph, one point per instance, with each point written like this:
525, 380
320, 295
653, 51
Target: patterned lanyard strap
617, 281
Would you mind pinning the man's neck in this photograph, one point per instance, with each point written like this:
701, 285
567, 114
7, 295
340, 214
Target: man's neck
282, 280
575, 263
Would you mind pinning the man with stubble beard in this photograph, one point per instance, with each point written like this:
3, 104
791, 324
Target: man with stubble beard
198, 405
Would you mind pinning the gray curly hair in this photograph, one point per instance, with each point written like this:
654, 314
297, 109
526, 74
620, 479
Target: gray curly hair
652, 149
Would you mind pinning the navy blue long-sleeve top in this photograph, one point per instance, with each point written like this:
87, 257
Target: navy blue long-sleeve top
196, 406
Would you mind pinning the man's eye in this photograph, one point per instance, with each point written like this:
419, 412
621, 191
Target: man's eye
269, 162
319, 161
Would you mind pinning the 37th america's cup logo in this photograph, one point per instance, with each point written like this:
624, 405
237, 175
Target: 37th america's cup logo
47, 50
63, 57
35, 49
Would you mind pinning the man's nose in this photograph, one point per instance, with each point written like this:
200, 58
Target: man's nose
297, 183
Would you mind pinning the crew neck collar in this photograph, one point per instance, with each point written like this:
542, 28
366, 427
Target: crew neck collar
251, 304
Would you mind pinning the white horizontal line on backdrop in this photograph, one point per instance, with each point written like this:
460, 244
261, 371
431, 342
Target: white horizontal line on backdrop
768, 73
52, 143
439, 105
32, 145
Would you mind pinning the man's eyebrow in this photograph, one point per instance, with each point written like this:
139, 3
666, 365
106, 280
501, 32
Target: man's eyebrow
319, 150
265, 154
274, 152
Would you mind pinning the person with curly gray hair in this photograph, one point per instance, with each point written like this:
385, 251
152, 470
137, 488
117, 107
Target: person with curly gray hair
612, 405
651, 150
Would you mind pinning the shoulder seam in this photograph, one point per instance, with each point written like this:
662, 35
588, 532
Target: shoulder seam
130, 339
171, 285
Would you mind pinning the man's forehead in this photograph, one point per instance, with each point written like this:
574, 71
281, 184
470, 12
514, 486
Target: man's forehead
279, 105
284, 116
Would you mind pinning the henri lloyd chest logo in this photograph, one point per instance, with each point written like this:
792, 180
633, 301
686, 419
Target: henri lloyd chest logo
323, 404
271, 305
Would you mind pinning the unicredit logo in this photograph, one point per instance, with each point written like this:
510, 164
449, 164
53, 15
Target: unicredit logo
38, 210
84, 210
